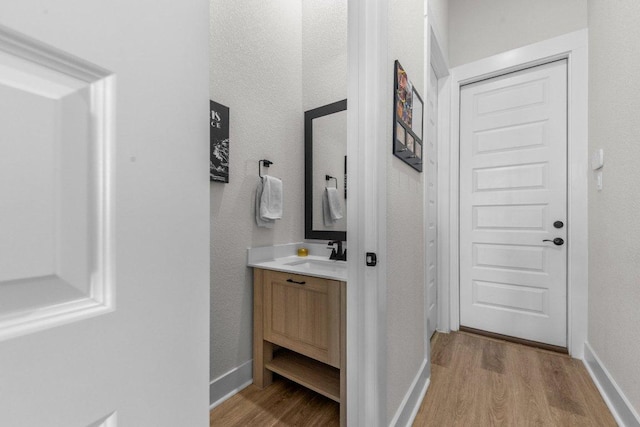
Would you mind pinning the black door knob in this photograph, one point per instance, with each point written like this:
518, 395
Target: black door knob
558, 241
558, 224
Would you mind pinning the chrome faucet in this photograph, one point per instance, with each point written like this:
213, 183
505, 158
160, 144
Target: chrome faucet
337, 254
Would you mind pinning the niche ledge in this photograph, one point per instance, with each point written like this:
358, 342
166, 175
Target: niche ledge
56, 187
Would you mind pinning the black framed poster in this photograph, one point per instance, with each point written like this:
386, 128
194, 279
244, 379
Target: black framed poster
408, 116
219, 141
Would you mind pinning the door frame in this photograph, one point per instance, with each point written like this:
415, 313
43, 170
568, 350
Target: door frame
434, 58
573, 47
367, 152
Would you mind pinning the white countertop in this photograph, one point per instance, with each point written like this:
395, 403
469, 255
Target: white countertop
284, 258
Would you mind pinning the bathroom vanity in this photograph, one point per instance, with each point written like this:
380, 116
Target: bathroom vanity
299, 323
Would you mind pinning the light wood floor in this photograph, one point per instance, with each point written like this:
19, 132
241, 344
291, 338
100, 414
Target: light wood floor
478, 381
283, 403
475, 381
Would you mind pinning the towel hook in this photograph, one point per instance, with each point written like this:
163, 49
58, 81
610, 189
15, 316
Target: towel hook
264, 162
329, 177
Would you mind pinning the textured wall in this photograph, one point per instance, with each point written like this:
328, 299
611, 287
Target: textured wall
256, 71
405, 228
324, 52
478, 29
614, 228
439, 19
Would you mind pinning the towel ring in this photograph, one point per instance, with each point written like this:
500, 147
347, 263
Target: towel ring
329, 177
264, 162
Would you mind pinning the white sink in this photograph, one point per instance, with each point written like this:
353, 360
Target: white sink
317, 264
282, 258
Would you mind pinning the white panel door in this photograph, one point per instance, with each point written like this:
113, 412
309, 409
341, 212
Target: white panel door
513, 188
431, 157
104, 213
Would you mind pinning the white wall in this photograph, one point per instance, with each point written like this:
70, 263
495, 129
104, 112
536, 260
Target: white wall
405, 227
478, 29
614, 228
439, 20
324, 52
256, 71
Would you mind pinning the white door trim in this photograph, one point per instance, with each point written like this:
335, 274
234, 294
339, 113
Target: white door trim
572, 46
443, 224
435, 59
367, 152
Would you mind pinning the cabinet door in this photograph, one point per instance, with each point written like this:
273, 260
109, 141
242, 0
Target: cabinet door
302, 313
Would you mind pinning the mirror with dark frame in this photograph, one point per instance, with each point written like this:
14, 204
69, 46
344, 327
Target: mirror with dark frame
325, 139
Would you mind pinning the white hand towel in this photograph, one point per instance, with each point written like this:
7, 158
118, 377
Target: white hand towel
272, 198
266, 223
326, 211
335, 207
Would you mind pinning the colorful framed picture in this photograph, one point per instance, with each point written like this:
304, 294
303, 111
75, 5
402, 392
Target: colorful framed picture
408, 116
401, 135
410, 142
404, 95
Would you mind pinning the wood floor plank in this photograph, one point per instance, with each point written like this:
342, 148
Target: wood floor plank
558, 388
283, 403
493, 357
314, 411
279, 408
564, 418
497, 400
442, 353
253, 403
237, 407
470, 401
527, 401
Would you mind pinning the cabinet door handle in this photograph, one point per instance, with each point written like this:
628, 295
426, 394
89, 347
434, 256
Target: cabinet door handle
294, 281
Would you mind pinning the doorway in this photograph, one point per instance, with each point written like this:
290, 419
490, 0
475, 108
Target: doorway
574, 48
513, 204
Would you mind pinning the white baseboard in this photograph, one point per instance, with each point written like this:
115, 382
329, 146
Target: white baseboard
622, 410
229, 384
406, 413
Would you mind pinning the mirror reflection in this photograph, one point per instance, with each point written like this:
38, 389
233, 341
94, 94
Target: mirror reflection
329, 155
326, 180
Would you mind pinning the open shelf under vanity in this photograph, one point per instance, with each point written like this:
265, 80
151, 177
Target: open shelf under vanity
314, 375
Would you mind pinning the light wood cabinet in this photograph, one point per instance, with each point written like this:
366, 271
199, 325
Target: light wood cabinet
299, 332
